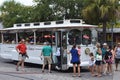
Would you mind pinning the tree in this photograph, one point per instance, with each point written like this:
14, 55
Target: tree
57, 9
100, 12
13, 12
44, 10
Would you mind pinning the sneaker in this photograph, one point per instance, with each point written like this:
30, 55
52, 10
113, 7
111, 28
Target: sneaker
23, 70
105, 73
57, 68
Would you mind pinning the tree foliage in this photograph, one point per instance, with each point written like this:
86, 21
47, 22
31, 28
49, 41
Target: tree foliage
92, 11
101, 12
58, 9
13, 12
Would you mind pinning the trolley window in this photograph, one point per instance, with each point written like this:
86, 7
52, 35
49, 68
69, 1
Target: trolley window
9, 38
86, 37
45, 36
74, 37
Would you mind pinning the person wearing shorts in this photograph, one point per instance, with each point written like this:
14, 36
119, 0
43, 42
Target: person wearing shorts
104, 50
75, 60
117, 56
46, 52
21, 49
91, 64
47, 59
21, 56
98, 61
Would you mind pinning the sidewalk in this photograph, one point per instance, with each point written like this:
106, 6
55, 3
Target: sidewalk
35, 74
116, 74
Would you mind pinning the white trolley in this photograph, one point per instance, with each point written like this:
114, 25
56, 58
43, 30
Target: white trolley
64, 33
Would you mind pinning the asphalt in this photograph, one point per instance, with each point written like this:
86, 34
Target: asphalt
116, 74
8, 72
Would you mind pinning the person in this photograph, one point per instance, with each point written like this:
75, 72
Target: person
47, 53
104, 50
21, 49
108, 60
79, 50
75, 60
117, 56
58, 58
92, 64
98, 61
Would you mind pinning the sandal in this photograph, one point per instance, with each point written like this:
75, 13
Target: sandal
99, 75
42, 71
79, 75
93, 75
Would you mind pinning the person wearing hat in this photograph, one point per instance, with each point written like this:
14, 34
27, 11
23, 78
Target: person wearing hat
104, 50
46, 53
117, 56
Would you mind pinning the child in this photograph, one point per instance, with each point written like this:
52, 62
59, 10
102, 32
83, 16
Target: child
91, 64
79, 50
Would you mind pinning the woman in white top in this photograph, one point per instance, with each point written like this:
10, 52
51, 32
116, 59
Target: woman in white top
98, 61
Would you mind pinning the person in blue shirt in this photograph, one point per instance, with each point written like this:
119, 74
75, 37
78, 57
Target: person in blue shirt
75, 60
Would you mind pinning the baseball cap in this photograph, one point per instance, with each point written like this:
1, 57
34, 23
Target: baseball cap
104, 43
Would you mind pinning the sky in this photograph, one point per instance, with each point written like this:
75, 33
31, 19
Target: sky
25, 2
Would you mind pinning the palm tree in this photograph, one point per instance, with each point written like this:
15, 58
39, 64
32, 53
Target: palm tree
101, 12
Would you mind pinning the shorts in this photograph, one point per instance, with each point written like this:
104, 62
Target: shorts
21, 57
98, 63
76, 62
91, 64
109, 61
117, 60
47, 59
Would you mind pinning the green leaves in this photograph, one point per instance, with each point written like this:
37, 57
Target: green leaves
92, 11
103, 10
12, 12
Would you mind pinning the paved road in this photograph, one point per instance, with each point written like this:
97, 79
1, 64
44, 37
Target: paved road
33, 72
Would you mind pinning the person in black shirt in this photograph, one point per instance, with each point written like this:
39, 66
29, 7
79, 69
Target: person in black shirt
108, 60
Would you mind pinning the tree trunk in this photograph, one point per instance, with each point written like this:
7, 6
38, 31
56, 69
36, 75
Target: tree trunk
104, 33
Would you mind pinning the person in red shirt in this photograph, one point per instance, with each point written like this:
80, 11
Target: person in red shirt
21, 49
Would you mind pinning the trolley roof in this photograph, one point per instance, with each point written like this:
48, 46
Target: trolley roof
72, 23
